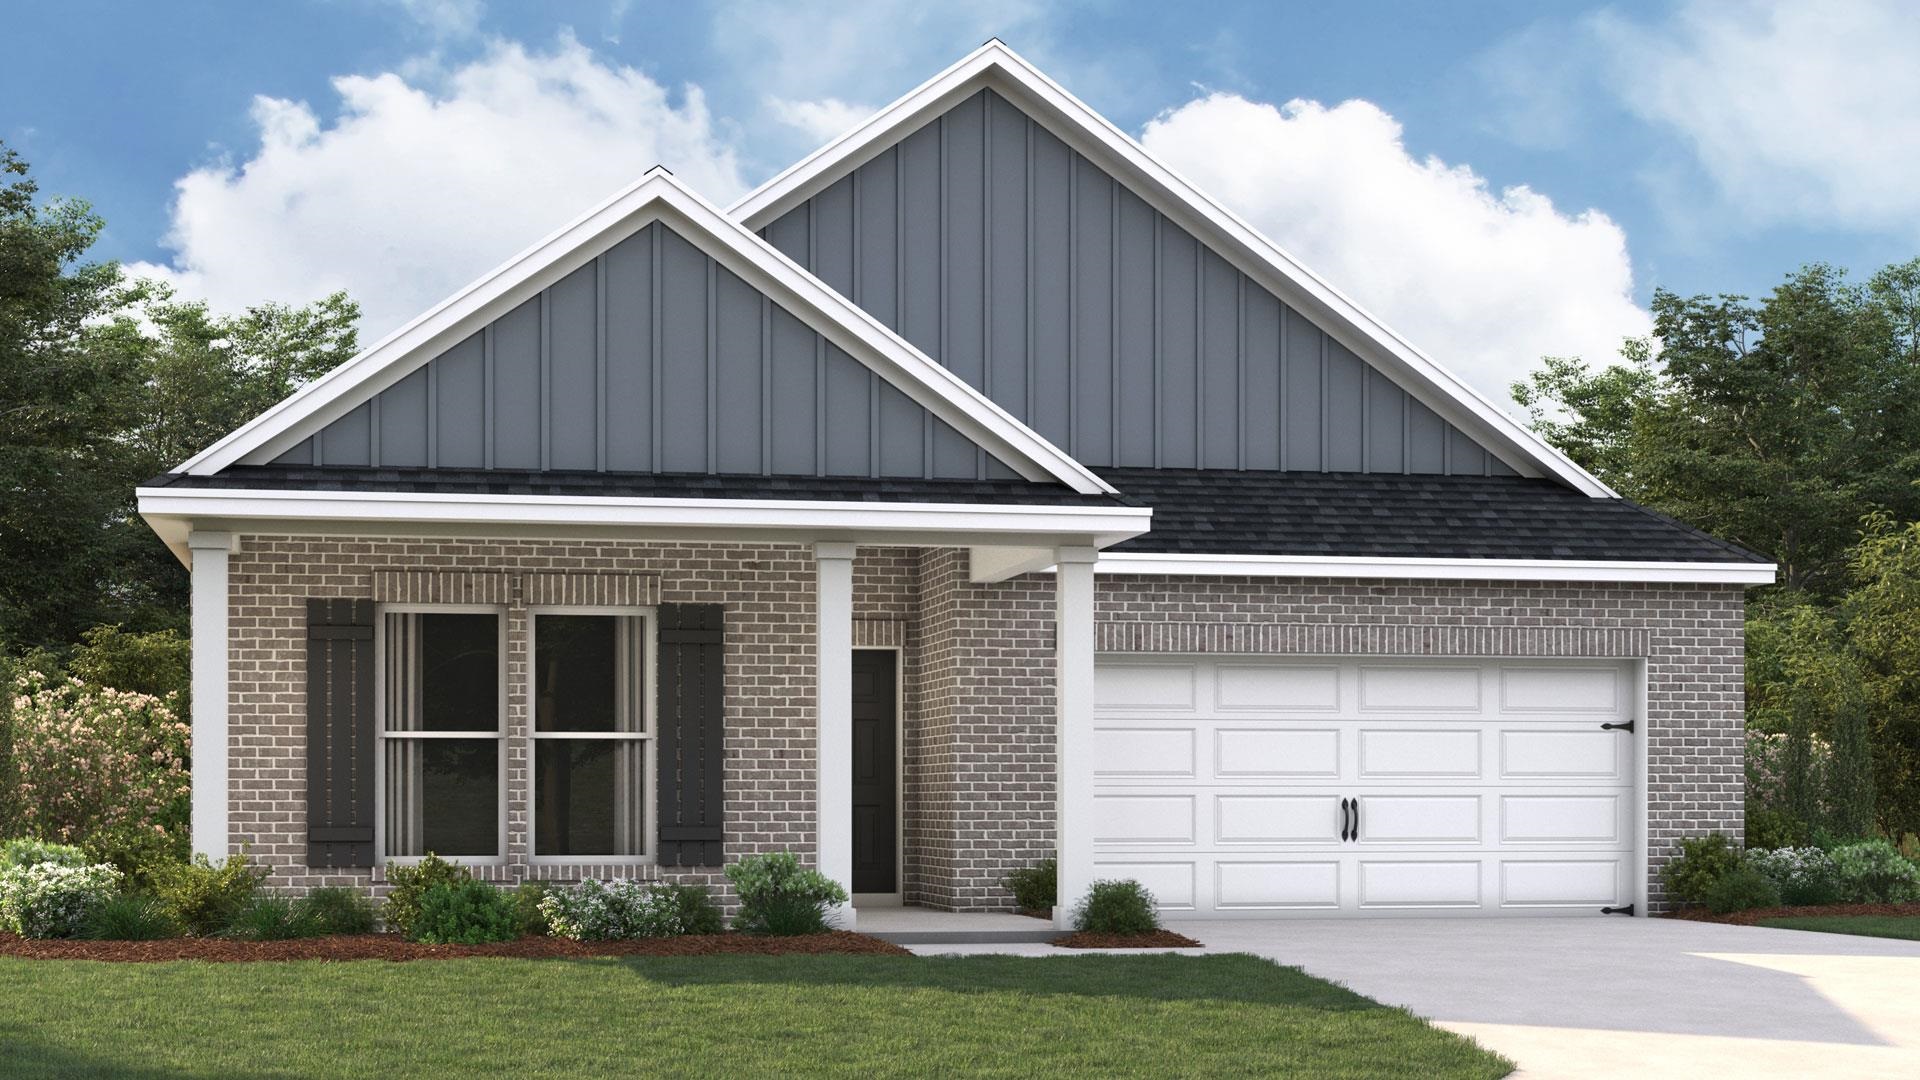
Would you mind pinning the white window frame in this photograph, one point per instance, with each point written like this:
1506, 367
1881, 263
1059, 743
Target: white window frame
646, 736
381, 734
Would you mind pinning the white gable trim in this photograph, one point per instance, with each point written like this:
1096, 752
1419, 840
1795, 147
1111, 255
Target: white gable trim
996, 66
657, 196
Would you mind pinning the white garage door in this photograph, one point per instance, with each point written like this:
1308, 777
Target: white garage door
1256, 787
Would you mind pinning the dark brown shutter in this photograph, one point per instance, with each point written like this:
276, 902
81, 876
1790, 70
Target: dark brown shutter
692, 655
340, 732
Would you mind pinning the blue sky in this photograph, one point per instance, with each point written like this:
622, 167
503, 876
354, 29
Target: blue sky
1698, 147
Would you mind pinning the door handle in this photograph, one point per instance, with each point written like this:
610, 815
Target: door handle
1354, 832
1343, 820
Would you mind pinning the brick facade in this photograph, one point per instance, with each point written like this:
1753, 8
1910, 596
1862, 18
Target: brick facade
977, 677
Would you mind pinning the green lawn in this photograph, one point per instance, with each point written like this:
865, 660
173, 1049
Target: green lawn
1893, 926
712, 1016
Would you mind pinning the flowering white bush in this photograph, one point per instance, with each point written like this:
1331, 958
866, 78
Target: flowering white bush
97, 766
600, 911
1804, 875
49, 900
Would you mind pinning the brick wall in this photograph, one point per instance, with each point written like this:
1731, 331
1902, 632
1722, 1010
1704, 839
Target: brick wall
977, 681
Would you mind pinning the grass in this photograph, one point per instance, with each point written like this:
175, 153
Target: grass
1887, 926
713, 1016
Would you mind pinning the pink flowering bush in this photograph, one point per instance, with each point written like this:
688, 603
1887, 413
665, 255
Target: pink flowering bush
102, 768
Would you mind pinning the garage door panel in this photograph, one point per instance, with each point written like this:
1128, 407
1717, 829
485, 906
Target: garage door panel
1584, 690
1419, 819
1276, 819
1143, 752
1302, 753
1136, 687
1389, 753
1562, 882
1250, 885
1170, 882
1408, 689
1284, 688
1143, 819
1562, 819
1419, 883
1563, 753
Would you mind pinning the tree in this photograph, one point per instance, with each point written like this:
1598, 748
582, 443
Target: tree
68, 388
104, 383
1882, 615
1777, 425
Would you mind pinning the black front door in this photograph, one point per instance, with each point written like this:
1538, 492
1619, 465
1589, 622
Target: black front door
876, 775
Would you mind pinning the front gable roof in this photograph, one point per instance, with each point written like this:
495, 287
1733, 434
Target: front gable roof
656, 198
996, 68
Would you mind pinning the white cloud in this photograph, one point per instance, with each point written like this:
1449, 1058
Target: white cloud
414, 190
1799, 112
819, 120
1484, 282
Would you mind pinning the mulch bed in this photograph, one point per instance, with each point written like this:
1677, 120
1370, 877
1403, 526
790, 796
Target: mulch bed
1157, 939
394, 947
1749, 918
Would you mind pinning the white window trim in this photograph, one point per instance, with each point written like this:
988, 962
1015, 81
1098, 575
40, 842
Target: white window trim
380, 855
648, 735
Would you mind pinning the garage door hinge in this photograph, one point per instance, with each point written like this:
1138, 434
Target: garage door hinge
1624, 725
1626, 910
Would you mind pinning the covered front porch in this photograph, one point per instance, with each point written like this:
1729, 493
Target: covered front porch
982, 610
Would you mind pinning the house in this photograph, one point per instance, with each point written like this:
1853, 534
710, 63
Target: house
974, 490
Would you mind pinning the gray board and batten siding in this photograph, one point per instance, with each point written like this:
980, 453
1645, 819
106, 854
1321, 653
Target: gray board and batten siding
1045, 283
653, 358
985, 241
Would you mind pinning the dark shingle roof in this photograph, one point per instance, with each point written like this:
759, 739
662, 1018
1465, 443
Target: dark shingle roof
635, 485
1223, 512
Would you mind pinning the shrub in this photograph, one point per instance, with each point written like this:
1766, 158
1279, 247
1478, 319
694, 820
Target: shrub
410, 884
1741, 889
1873, 872
29, 852
1770, 829
464, 913
48, 900
1803, 875
130, 917
1703, 860
1116, 907
1035, 887
273, 918
600, 911
527, 901
337, 910
98, 767
778, 897
204, 896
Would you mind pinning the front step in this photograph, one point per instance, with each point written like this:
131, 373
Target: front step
965, 937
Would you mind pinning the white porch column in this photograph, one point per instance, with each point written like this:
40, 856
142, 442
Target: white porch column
209, 551
1073, 725
833, 635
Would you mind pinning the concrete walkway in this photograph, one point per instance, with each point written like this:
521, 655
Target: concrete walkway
1575, 998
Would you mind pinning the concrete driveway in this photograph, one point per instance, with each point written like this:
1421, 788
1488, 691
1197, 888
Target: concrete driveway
1624, 997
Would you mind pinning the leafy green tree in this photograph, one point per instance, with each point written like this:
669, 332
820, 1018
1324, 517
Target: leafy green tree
1883, 629
1776, 424
105, 383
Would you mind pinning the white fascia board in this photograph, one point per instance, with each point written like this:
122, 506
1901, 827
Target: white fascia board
996, 65
1317, 566
657, 196
171, 510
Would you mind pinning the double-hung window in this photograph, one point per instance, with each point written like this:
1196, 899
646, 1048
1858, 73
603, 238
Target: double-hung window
444, 690
592, 691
